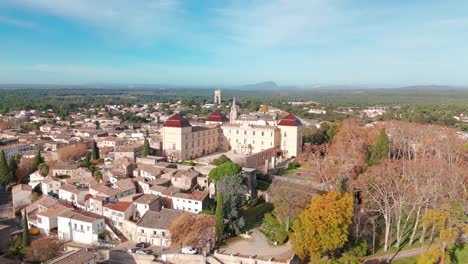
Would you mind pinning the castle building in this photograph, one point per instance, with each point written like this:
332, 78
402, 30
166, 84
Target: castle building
182, 141
217, 96
258, 139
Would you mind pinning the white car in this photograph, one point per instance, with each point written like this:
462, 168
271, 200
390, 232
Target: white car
189, 250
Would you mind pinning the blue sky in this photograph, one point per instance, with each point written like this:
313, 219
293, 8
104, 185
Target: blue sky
222, 43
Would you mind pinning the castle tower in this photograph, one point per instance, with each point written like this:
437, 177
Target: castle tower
233, 114
217, 96
291, 135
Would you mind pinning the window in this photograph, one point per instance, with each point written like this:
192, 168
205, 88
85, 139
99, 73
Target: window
284, 134
237, 132
173, 146
142, 231
253, 133
39, 220
253, 141
263, 133
163, 233
76, 226
196, 202
88, 228
245, 141
81, 227
155, 232
245, 132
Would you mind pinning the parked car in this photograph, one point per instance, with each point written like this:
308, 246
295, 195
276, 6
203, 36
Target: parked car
142, 245
144, 251
189, 250
132, 250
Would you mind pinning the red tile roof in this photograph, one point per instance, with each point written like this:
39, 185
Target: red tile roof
177, 121
290, 120
217, 116
119, 206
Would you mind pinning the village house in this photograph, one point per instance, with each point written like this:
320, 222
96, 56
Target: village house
21, 195
77, 256
35, 179
73, 194
145, 203
80, 227
118, 212
47, 220
132, 152
50, 185
193, 202
153, 227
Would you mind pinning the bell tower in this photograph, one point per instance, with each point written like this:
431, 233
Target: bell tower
217, 96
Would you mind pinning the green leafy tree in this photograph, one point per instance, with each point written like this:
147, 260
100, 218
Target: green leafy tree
323, 227
219, 215
225, 169
13, 166
97, 175
87, 161
5, 175
220, 160
43, 169
146, 148
38, 159
16, 246
26, 240
232, 190
95, 151
380, 150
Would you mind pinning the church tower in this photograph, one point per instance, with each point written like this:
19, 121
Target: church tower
217, 96
233, 114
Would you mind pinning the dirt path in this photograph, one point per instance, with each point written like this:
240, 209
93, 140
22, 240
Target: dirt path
400, 254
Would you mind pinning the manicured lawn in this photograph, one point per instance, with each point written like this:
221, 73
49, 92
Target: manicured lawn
253, 215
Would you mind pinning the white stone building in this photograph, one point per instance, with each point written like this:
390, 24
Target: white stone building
81, 228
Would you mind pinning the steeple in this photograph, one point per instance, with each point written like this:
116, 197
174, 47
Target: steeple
233, 114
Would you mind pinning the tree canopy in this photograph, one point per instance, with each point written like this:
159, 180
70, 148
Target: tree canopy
323, 227
146, 148
232, 191
220, 160
193, 230
225, 169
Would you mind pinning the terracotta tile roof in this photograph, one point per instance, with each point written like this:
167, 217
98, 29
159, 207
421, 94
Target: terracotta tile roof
21, 187
81, 216
55, 210
78, 256
119, 206
146, 199
159, 220
217, 116
177, 121
289, 120
70, 188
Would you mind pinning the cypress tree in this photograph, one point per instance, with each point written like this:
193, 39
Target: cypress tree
4, 170
380, 149
13, 166
95, 151
219, 215
38, 159
25, 230
146, 149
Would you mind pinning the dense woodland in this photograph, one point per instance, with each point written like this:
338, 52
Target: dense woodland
408, 182
430, 105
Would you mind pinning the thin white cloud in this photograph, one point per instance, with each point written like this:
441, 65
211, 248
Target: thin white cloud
17, 22
276, 22
141, 19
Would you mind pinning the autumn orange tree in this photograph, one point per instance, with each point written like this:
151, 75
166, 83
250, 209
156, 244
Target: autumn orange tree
193, 230
323, 226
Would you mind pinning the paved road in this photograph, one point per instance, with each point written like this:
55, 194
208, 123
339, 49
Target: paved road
259, 246
401, 254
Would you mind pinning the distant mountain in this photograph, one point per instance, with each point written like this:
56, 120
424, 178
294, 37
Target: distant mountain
265, 86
